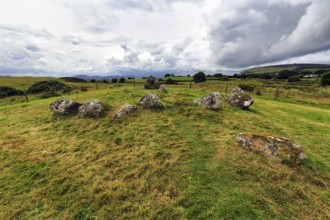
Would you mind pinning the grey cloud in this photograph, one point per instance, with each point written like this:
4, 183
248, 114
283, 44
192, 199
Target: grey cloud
32, 48
246, 36
72, 40
26, 30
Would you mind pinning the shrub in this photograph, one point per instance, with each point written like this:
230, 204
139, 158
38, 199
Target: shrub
114, 80
6, 91
46, 86
122, 80
199, 77
325, 79
247, 87
294, 79
170, 81
104, 81
49, 94
73, 79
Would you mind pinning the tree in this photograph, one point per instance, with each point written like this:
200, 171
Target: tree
105, 81
114, 80
200, 77
218, 75
325, 79
93, 80
294, 79
167, 75
122, 80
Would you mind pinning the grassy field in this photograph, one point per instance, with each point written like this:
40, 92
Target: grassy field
180, 162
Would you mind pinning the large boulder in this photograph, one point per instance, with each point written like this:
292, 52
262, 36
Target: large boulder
124, 110
240, 99
163, 89
64, 106
150, 101
272, 146
211, 101
152, 83
91, 108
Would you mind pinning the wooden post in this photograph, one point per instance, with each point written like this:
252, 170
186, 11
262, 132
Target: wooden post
226, 87
134, 82
26, 98
190, 84
97, 86
277, 92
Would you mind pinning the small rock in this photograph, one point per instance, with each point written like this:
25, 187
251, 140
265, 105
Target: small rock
211, 101
272, 146
152, 83
240, 99
124, 110
91, 108
64, 106
237, 90
163, 89
150, 101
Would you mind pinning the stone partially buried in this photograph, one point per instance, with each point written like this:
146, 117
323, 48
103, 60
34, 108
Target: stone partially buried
272, 146
125, 110
150, 101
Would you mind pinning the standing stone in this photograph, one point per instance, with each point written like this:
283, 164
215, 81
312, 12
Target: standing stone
150, 101
91, 108
211, 101
163, 89
64, 106
240, 99
124, 110
152, 83
272, 146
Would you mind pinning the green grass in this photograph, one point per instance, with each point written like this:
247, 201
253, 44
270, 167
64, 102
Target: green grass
181, 162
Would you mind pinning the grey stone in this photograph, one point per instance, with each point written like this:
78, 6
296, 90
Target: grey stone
211, 101
152, 83
237, 90
64, 106
163, 89
91, 108
272, 146
124, 110
150, 101
240, 99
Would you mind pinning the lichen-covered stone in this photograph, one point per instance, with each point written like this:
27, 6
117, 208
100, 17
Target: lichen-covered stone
124, 110
237, 90
91, 108
240, 99
211, 101
64, 106
272, 146
152, 83
150, 101
163, 89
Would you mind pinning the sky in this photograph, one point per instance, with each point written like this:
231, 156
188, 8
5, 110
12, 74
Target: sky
112, 37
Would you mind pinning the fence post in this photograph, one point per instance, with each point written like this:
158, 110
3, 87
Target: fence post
226, 87
190, 84
97, 86
26, 98
277, 92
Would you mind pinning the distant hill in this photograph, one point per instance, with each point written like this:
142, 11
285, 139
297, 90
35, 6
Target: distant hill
277, 68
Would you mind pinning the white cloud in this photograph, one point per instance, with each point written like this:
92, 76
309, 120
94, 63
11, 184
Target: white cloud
108, 36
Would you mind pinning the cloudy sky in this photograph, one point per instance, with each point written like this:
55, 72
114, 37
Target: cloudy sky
105, 37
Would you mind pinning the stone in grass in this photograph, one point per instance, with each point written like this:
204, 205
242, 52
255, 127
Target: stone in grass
152, 83
240, 99
64, 106
150, 101
237, 90
163, 89
91, 108
125, 110
211, 101
272, 146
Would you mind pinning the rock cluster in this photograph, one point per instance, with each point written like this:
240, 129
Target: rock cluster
64, 106
272, 146
91, 108
240, 99
150, 101
152, 83
124, 110
163, 89
211, 101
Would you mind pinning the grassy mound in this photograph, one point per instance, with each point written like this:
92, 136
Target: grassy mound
180, 162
